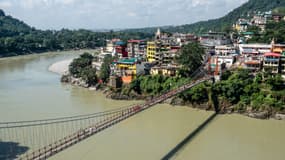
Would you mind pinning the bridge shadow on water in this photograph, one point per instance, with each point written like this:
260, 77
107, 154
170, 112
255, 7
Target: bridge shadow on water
11, 150
180, 145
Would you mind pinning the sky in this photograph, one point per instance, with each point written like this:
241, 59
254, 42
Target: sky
115, 14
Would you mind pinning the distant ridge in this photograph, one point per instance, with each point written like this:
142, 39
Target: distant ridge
219, 24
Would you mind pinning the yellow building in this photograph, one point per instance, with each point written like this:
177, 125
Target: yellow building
128, 69
151, 51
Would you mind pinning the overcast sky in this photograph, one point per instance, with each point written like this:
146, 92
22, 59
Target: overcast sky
112, 14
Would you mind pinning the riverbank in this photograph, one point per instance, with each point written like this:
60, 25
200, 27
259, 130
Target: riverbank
224, 105
60, 67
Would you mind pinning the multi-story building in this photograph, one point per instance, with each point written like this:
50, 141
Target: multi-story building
151, 51
182, 39
271, 62
137, 48
253, 63
99, 60
110, 46
127, 69
154, 48
241, 25
260, 19
226, 61
165, 57
212, 39
121, 49
225, 50
254, 49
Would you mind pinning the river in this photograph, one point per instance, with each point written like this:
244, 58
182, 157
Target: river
29, 91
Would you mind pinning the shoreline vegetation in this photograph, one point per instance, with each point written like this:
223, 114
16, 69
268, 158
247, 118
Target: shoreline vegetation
239, 92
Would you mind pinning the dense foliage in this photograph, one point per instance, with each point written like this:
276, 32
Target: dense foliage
17, 38
274, 30
239, 88
105, 68
154, 85
223, 23
82, 68
190, 57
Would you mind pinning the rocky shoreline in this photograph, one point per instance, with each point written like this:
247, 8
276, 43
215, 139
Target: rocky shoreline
205, 106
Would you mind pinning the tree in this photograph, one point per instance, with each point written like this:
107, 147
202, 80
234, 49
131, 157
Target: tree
276, 82
89, 75
105, 68
190, 57
77, 65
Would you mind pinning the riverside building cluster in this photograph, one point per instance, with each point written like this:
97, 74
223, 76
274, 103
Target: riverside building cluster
157, 56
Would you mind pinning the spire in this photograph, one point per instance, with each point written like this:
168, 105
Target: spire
158, 34
273, 41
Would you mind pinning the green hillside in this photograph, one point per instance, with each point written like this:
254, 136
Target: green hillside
223, 23
18, 38
279, 10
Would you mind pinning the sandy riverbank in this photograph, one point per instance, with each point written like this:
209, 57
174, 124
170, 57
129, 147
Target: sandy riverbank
60, 67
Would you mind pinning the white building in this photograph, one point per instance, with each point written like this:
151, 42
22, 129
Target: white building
225, 50
254, 49
99, 60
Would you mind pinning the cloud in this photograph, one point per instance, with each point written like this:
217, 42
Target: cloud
132, 14
5, 4
56, 14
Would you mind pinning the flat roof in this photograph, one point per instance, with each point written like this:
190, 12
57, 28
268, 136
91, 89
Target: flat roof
272, 54
127, 60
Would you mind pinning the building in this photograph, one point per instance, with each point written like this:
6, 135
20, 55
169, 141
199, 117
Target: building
282, 64
254, 49
212, 39
151, 51
225, 50
277, 17
137, 48
241, 25
247, 35
165, 57
260, 20
164, 70
253, 63
127, 69
99, 60
226, 61
271, 62
121, 49
115, 82
110, 45
278, 48
182, 39
215, 39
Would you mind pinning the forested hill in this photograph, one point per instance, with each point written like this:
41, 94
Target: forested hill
18, 38
10, 26
223, 23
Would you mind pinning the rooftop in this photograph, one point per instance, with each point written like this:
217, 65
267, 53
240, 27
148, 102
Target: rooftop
127, 60
272, 54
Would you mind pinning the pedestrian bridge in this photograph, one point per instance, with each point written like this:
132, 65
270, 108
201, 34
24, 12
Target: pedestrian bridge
40, 139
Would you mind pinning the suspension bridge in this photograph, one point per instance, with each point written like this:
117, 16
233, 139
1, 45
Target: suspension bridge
40, 139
